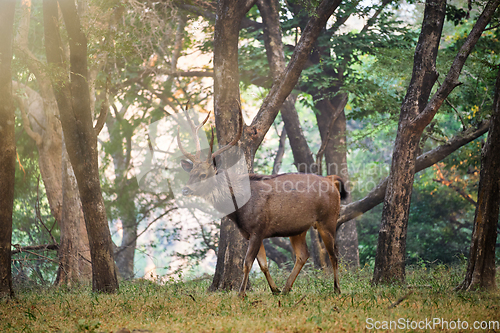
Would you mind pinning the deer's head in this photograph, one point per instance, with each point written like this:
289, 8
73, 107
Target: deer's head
202, 172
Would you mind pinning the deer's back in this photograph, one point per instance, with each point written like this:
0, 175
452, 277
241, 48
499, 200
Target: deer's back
288, 204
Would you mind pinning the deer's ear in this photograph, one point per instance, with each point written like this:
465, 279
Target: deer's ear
187, 165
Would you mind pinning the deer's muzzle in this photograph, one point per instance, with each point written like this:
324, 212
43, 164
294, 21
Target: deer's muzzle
186, 191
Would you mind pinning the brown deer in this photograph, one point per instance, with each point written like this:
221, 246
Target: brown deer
285, 205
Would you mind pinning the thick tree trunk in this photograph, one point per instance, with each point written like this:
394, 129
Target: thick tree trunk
230, 257
7, 146
481, 263
74, 251
416, 114
41, 122
232, 245
391, 249
336, 164
74, 105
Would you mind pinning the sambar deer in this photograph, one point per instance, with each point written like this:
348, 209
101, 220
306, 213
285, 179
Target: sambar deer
285, 205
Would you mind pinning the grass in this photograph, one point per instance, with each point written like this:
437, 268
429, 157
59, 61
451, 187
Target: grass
310, 307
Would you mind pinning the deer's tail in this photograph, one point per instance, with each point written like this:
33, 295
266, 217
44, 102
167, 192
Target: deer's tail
339, 183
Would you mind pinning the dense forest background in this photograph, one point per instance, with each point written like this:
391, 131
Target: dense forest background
149, 60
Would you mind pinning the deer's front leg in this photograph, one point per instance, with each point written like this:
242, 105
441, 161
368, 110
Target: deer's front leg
261, 258
253, 249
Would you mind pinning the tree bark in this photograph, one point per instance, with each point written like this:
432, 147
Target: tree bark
391, 249
336, 164
232, 245
481, 262
74, 251
7, 146
73, 99
41, 121
416, 114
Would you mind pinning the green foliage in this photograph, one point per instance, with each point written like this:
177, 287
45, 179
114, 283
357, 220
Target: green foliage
455, 14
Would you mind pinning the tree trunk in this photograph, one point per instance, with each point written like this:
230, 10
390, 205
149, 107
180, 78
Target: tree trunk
416, 113
74, 252
41, 122
232, 245
73, 99
481, 263
391, 249
7, 146
230, 257
125, 257
336, 164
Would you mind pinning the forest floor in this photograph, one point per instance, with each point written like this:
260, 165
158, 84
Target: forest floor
427, 303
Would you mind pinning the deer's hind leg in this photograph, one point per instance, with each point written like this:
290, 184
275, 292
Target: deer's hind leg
262, 259
328, 238
301, 254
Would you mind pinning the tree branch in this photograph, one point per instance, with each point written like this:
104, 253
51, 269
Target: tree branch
376, 196
451, 80
20, 249
118, 250
281, 89
210, 15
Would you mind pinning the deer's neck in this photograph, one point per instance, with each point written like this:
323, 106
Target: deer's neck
229, 192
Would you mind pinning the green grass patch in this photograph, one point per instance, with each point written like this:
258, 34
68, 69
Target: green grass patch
310, 307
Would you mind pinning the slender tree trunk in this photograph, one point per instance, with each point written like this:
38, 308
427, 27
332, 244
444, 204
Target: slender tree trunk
7, 146
73, 99
125, 257
481, 263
